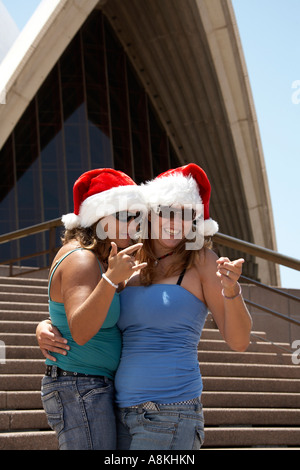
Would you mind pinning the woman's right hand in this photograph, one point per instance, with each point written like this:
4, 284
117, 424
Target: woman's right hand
50, 339
122, 265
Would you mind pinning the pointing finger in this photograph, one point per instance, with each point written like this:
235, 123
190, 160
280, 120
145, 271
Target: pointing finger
223, 260
238, 262
114, 249
131, 249
139, 266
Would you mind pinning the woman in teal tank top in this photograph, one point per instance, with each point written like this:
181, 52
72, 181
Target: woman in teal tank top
94, 261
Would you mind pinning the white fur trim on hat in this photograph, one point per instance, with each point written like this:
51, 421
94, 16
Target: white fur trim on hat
108, 202
173, 189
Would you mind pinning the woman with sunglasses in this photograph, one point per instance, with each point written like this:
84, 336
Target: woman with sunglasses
163, 311
84, 306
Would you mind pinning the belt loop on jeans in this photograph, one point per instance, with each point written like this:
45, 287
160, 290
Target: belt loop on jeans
54, 372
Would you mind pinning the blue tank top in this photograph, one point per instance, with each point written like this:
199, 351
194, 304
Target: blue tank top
161, 327
101, 354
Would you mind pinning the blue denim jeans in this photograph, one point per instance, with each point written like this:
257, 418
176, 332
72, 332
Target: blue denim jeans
172, 427
81, 411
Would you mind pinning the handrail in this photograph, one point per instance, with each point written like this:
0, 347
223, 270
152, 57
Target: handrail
272, 289
50, 225
256, 250
273, 312
32, 230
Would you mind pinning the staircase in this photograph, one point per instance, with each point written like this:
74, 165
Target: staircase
251, 399
23, 423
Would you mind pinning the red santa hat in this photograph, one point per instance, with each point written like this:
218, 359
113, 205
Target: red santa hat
98, 193
186, 185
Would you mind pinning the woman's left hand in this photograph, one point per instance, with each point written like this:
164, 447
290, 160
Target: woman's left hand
229, 271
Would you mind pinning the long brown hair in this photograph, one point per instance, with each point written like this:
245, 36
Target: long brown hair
87, 238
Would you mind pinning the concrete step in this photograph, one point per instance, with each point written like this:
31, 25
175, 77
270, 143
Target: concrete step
23, 289
22, 281
28, 327
245, 357
21, 382
21, 400
211, 333
236, 437
257, 384
252, 417
218, 369
24, 306
14, 420
23, 339
23, 366
23, 298
23, 316
23, 352
251, 399
259, 346
28, 440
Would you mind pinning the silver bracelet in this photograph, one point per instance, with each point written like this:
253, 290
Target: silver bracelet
235, 296
109, 281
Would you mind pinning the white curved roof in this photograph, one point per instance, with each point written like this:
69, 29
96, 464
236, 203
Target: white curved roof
35, 52
8, 31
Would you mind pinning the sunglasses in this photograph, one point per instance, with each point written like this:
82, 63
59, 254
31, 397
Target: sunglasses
125, 216
167, 212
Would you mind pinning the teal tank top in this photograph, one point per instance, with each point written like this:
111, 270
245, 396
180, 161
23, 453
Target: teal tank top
101, 354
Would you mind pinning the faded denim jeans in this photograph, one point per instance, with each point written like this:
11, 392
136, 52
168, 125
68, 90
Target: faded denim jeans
81, 411
171, 427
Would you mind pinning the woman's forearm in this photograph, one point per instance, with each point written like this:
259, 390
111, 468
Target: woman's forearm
237, 322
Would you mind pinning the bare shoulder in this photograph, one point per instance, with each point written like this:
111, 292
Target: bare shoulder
79, 262
206, 261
